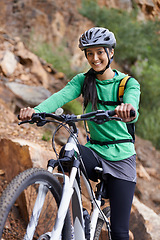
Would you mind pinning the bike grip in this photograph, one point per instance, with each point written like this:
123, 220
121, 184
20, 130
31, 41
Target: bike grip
18, 117
132, 113
111, 113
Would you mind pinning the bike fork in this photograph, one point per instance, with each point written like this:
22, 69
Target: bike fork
42, 191
64, 204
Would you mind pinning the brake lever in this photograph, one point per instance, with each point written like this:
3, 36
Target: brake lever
111, 117
39, 119
26, 121
68, 118
116, 118
36, 118
100, 118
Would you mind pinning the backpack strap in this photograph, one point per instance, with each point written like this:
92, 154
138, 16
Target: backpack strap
121, 88
109, 103
120, 92
131, 130
111, 142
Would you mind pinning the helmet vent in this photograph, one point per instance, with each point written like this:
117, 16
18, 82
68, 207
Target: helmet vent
104, 31
107, 39
96, 32
90, 35
87, 35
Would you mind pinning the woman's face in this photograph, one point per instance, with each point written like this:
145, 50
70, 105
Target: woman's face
97, 57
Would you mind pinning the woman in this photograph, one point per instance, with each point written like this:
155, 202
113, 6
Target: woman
99, 88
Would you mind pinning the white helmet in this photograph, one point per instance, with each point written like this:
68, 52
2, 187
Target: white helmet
97, 36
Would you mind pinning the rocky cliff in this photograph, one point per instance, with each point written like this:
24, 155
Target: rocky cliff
59, 21
26, 80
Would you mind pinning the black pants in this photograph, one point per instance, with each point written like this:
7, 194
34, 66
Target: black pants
120, 193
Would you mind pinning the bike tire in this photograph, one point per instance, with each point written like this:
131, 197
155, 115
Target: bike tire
17, 201
99, 226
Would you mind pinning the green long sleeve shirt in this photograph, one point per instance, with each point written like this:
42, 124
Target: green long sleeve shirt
109, 131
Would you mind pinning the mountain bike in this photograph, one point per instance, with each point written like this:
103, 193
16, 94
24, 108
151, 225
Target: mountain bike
47, 204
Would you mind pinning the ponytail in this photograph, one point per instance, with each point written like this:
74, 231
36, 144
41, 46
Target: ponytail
89, 91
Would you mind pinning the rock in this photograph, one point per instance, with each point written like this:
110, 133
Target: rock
8, 63
148, 8
144, 223
31, 95
61, 140
145, 152
31, 61
153, 172
2, 173
156, 197
29, 68
39, 155
141, 192
59, 75
19, 154
149, 3
54, 22
142, 173
131, 237
58, 26
14, 158
7, 96
122, 4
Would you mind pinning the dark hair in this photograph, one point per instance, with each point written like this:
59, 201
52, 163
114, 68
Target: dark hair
89, 91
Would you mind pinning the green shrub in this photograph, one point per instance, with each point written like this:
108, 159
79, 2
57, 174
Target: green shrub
47, 135
73, 107
148, 126
148, 75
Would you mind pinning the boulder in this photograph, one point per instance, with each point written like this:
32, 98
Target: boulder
31, 95
8, 63
7, 96
144, 223
31, 61
14, 158
18, 155
148, 3
39, 155
148, 8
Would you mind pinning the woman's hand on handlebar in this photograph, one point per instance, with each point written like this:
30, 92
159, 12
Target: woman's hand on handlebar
26, 113
123, 111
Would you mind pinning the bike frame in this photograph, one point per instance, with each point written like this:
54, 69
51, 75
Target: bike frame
71, 193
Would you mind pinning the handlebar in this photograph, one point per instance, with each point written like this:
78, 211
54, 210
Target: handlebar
99, 117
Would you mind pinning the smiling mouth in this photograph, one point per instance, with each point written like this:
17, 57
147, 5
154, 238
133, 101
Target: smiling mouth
96, 64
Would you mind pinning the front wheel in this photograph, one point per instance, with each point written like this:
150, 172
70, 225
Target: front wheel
99, 233
17, 203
